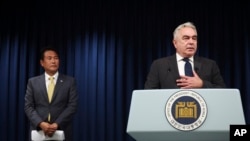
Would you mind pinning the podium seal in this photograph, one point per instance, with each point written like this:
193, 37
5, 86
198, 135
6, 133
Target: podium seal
186, 110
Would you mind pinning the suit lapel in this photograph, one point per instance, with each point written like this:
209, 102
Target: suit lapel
59, 84
197, 65
42, 83
173, 66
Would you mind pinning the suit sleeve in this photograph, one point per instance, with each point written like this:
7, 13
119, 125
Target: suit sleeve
153, 81
29, 106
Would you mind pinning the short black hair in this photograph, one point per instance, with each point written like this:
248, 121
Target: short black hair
47, 48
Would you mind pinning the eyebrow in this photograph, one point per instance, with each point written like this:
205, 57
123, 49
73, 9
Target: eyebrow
190, 36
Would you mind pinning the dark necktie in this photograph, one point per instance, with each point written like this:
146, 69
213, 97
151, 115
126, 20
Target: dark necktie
188, 67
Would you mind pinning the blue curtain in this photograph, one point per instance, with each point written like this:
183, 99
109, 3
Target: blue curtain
108, 47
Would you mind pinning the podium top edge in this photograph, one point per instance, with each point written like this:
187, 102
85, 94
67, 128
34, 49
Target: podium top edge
204, 89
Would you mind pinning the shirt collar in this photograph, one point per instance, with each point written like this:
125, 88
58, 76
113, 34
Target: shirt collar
55, 76
179, 58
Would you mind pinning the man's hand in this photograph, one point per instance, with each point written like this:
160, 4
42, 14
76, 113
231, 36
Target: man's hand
45, 127
48, 129
52, 129
186, 82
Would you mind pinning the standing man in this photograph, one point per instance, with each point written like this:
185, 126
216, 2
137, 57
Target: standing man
169, 72
51, 112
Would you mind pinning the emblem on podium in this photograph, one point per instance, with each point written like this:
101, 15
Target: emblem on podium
186, 110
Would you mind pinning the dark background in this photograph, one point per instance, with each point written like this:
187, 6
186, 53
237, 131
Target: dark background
108, 47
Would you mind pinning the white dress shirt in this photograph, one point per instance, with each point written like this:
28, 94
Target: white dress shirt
181, 63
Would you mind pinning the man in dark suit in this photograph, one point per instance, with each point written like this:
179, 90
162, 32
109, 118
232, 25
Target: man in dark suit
56, 113
168, 72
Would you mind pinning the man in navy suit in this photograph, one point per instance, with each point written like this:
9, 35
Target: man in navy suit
168, 72
56, 114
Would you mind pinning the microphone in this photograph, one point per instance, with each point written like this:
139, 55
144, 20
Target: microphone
196, 69
169, 69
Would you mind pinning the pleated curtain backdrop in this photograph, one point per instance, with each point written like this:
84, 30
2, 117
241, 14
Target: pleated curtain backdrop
108, 47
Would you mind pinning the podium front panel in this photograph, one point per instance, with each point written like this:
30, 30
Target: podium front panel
147, 120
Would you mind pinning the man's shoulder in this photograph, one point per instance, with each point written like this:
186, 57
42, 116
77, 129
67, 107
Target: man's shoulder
165, 59
203, 59
36, 77
64, 76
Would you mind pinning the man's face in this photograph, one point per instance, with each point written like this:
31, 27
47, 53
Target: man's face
50, 62
186, 42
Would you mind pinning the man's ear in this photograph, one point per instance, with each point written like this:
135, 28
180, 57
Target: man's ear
174, 42
41, 63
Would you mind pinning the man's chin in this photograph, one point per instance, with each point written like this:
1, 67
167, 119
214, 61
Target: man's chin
53, 71
53, 68
190, 54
